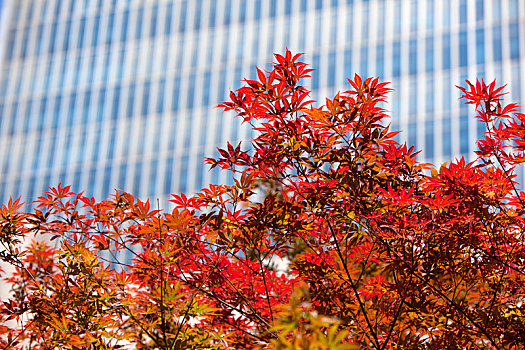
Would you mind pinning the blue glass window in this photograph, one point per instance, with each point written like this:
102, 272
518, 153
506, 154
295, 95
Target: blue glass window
71, 7
183, 174
183, 15
57, 8
56, 113
462, 77
446, 13
364, 21
30, 189
38, 155
222, 85
43, 11
24, 42
242, 11
39, 40
138, 28
116, 103
273, 8
218, 132
238, 73
225, 47
96, 29
175, 94
204, 131
397, 17
315, 73
105, 182
101, 104
412, 58
463, 134
105, 68
125, 23
153, 178
429, 53
137, 177
120, 69
480, 46
332, 79
349, 29
172, 135
429, 139
318, 4
480, 10
429, 100
412, 105
167, 23
463, 49
380, 60
412, 134
67, 43
363, 69
430, 14
160, 96
29, 112
463, 11
515, 81
496, 10
447, 137
287, 7
413, 16
110, 29
195, 51
52, 151
188, 132
227, 9
191, 91
304, 4
206, 89
318, 31
43, 105
53, 37
514, 40
333, 30
199, 179
497, 49
153, 22
16, 13
72, 116
381, 19
123, 171
514, 8
131, 100
167, 175
213, 14
396, 59
145, 98
14, 123
240, 47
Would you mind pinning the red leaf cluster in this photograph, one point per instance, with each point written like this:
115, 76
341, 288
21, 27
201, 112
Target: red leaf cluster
383, 252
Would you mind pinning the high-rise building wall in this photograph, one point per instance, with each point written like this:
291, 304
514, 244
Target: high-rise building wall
105, 94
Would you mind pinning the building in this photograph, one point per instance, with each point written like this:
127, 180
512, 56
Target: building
105, 94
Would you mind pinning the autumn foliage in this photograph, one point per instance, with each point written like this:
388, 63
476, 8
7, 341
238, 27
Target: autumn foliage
383, 252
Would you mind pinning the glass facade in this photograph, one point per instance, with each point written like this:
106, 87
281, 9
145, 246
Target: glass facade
120, 93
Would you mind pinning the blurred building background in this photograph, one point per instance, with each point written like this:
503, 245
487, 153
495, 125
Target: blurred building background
105, 94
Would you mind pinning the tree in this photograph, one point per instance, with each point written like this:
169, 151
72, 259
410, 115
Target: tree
385, 252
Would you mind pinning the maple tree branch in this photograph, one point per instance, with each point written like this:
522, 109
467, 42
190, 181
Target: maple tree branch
353, 286
482, 329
